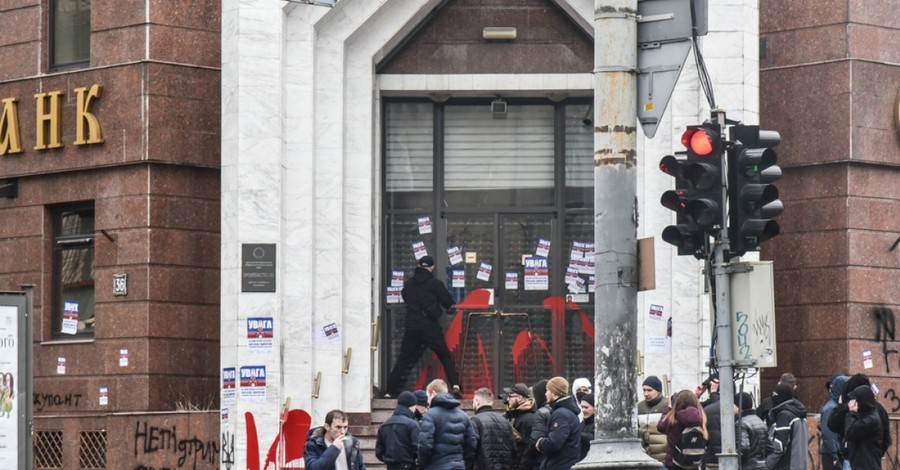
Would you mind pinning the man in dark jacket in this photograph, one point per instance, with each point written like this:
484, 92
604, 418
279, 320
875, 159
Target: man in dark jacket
447, 438
561, 446
766, 405
588, 411
751, 432
520, 414
425, 299
787, 435
398, 437
496, 449
862, 430
714, 429
326, 444
830, 447
532, 458
837, 420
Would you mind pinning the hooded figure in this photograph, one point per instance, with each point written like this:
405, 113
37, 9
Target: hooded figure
787, 435
837, 420
862, 430
830, 447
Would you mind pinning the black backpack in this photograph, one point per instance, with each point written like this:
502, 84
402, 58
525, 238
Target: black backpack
689, 450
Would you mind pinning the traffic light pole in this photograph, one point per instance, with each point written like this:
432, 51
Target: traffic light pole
721, 270
615, 236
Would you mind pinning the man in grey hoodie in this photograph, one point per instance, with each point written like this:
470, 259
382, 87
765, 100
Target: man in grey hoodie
787, 434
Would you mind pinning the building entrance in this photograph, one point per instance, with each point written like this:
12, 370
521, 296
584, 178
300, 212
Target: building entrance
505, 208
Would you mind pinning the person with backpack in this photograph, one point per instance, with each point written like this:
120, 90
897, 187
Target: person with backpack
684, 424
788, 442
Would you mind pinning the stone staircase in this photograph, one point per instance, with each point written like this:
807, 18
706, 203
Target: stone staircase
382, 409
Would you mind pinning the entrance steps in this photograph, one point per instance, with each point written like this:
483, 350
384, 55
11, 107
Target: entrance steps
382, 409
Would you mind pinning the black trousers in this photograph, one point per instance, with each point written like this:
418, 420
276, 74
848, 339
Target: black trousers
411, 349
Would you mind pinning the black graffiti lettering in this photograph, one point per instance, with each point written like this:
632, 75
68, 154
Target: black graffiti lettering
885, 331
891, 395
227, 450
46, 400
153, 439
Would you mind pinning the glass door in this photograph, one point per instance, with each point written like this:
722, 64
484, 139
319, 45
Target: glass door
509, 338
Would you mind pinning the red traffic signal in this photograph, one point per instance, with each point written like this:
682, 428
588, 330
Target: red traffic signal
701, 141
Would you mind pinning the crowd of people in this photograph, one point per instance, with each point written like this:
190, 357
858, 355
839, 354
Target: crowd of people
550, 425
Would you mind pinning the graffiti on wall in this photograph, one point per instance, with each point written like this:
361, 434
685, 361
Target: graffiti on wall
163, 443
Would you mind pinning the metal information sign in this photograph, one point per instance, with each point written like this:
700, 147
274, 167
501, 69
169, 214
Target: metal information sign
15, 383
258, 267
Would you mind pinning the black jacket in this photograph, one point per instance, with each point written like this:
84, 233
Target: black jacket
587, 435
714, 429
398, 438
562, 444
788, 443
424, 296
753, 441
837, 420
318, 455
862, 431
522, 420
447, 437
496, 443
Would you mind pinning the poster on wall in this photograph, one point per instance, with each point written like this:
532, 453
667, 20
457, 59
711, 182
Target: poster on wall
229, 386
393, 295
253, 383
484, 272
9, 375
454, 255
419, 250
70, 317
424, 225
512, 281
459, 279
260, 334
537, 273
397, 278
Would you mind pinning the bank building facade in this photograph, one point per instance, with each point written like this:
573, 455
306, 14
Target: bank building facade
358, 137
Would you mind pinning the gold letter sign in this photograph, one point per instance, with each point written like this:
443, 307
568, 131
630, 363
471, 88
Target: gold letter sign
47, 121
9, 128
86, 116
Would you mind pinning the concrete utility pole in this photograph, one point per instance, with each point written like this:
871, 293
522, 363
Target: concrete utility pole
615, 238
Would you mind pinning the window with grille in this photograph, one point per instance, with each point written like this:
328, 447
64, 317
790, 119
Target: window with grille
73, 272
48, 449
70, 32
92, 450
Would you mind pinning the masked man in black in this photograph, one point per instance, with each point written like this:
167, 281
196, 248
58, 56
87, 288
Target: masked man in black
425, 298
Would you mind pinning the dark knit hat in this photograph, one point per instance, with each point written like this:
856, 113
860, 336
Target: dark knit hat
653, 382
406, 399
421, 397
743, 400
539, 390
783, 393
426, 261
559, 386
589, 397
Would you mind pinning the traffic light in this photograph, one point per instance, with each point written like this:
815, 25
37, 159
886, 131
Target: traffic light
752, 198
697, 199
